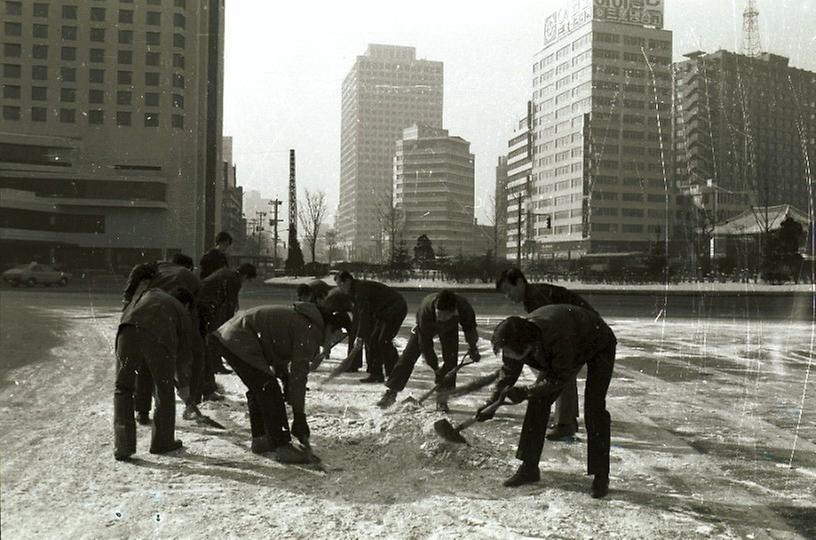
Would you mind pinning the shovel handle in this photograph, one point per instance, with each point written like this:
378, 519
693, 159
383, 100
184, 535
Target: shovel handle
493, 407
438, 385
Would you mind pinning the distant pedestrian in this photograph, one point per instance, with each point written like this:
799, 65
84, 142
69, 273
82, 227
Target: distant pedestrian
515, 286
379, 312
556, 341
216, 257
270, 345
155, 333
440, 314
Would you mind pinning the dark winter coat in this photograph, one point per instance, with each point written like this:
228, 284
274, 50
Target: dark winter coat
173, 275
538, 295
219, 295
427, 323
278, 341
374, 301
570, 337
168, 322
211, 261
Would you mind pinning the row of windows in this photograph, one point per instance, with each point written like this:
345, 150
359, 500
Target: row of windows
40, 73
70, 33
95, 116
69, 95
40, 52
41, 9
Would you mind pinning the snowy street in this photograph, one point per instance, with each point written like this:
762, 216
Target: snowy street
713, 435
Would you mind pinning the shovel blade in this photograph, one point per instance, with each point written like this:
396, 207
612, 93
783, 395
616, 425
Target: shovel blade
207, 421
410, 400
446, 430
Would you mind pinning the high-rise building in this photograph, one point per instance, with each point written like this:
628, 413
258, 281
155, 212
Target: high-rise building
500, 210
110, 150
387, 90
434, 188
744, 132
519, 216
232, 198
601, 130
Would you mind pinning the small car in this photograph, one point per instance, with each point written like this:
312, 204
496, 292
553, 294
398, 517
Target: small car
33, 274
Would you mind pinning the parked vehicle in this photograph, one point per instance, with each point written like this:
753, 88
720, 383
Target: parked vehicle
33, 274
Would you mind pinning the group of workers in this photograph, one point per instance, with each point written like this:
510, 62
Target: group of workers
273, 349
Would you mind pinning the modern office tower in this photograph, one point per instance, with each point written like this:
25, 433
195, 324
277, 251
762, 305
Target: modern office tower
434, 189
232, 198
110, 147
520, 221
744, 132
601, 131
387, 90
500, 209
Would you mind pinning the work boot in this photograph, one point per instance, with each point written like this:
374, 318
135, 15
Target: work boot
213, 396
143, 418
175, 445
563, 433
526, 474
387, 399
289, 454
600, 486
260, 445
373, 379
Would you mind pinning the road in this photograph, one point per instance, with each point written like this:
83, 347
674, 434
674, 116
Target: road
714, 435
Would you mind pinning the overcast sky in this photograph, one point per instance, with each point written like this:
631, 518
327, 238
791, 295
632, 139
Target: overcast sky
285, 62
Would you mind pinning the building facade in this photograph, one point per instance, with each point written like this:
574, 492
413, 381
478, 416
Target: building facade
601, 131
110, 151
434, 189
387, 90
744, 132
232, 199
519, 215
500, 209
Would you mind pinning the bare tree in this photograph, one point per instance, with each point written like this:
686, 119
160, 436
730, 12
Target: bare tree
499, 227
391, 225
311, 215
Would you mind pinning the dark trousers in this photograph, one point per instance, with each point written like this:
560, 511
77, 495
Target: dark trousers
357, 360
212, 361
142, 396
597, 419
136, 350
379, 345
421, 343
566, 406
267, 408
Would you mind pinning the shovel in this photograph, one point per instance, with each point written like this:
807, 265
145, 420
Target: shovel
452, 434
200, 418
448, 375
317, 360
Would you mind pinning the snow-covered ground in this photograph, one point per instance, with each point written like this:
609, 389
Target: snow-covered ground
714, 435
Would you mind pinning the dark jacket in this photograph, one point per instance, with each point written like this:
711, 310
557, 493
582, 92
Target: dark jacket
173, 275
277, 341
320, 289
570, 337
543, 294
218, 296
427, 323
168, 323
212, 261
373, 301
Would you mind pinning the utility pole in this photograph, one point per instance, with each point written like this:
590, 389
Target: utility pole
259, 219
274, 224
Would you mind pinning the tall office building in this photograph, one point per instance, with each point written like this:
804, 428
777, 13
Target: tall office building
110, 147
601, 130
519, 216
434, 189
744, 132
232, 199
387, 90
499, 246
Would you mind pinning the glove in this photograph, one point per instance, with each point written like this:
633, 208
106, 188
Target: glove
184, 393
517, 394
300, 429
474, 354
482, 415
